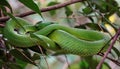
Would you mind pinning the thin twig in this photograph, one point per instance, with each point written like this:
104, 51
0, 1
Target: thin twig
67, 61
3, 19
109, 49
105, 44
26, 56
113, 60
40, 49
43, 56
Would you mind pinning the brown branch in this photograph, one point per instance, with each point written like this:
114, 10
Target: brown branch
109, 49
3, 19
113, 60
26, 57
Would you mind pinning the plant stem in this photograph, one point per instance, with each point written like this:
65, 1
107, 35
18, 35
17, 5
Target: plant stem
4, 19
109, 49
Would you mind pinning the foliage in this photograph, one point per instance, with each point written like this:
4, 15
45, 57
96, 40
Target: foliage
96, 14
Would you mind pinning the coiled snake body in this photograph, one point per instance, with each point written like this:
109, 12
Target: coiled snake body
55, 37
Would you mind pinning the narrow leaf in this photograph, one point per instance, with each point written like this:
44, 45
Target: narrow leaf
36, 56
5, 3
31, 4
107, 65
116, 51
3, 9
93, 26
52, 12
68, 11
15, 19
84, 65
21, 63
14, 66
87, 10
21, 56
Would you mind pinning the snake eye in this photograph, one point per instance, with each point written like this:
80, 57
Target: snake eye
17, 31
28, 32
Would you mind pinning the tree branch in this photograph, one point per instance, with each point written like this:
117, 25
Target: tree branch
113, 60
3, 19
109, 49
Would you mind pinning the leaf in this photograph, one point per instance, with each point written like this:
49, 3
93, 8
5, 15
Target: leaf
52, 3
1, 30
103, 27
1, 63
21, 56
81, 27
87, 10
15, 19
118, 13
101, 5
107, 65
35, 57
68, 11
92, 19
30, 4
52, 12
2, 53
21, 63
27, 53
5, 3
116, 51
105, 7
93, 26
14, 66
3, 8
84, 65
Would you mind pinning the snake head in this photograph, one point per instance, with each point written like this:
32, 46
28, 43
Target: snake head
41, 25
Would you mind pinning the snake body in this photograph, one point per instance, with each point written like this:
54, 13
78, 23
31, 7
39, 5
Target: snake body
55, 37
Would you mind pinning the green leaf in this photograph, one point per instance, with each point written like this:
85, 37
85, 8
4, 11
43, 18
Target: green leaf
1, 30
116, 51
5, 3
87, 10
84, 65
101, 5
103, 27
52, 3
21, 56
93, 26
21, 63
105, 7
1, 63
2, 52
3, 8
107, 65
81, 27
36, 57
118, 13
14, 66
92, 19
68, 11
15, 19
52, 12
31, 4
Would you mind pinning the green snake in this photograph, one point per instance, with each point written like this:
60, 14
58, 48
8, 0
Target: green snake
55, 37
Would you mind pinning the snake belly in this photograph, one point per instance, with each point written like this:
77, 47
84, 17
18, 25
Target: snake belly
70, 40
